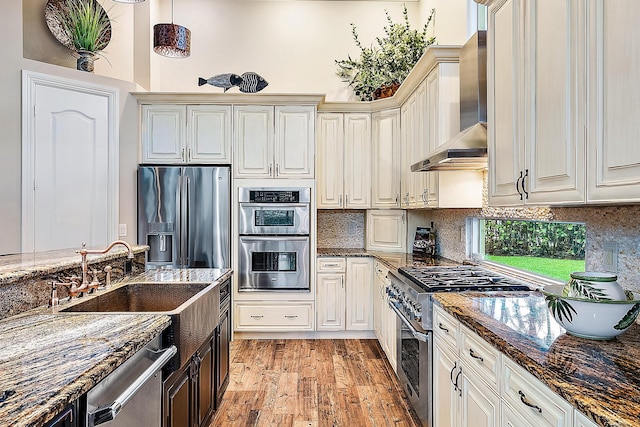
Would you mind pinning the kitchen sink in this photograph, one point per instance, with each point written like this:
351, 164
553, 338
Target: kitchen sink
194, 308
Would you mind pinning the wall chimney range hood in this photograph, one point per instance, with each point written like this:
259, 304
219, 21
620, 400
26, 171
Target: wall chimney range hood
468, 149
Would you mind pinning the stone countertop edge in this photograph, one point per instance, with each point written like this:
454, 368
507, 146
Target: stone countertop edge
599, 378
391, 260
54, 383
24, 266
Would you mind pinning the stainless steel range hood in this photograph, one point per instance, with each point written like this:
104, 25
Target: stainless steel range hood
468, 149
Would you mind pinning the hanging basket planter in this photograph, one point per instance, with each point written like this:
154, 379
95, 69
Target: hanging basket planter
85, 61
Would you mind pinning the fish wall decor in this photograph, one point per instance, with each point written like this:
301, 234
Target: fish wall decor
225, 81
252, 83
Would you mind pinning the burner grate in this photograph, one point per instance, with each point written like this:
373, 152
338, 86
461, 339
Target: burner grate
459, 278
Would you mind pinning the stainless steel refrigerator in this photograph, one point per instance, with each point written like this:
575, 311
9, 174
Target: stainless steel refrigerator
184, 216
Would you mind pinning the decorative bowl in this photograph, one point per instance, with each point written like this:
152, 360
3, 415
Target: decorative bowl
594, 285
601, 319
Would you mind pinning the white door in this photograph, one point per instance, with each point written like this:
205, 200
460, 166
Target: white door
359, 296
209, 133
69, 166
386, 159
330, 160
357, 161
253, 141
295, 142
330, 302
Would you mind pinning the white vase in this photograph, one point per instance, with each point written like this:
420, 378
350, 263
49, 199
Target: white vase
594, 285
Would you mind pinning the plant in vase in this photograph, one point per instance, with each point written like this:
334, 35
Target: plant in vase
380, 69
85, 27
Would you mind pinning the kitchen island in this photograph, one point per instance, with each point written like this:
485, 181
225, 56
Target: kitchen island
49, 358
599, 378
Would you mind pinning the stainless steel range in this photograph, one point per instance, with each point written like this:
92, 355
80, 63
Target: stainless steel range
409, 295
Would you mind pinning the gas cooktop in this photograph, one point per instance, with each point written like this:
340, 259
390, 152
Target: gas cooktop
460, 278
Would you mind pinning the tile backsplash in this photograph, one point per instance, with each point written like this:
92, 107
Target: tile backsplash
341, 229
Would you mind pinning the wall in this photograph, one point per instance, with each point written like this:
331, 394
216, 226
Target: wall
292, 44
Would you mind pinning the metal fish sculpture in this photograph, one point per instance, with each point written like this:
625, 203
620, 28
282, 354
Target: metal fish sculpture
225, 81
252, 83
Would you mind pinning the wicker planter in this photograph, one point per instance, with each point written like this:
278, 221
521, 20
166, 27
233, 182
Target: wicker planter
386, 91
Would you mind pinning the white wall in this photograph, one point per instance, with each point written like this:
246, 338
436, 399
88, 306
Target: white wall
292, 44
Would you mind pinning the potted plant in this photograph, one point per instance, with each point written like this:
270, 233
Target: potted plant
380, 69
84, 27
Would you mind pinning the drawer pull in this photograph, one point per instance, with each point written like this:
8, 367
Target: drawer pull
524, 400
441, 326
474, 355
291, 316
256, 317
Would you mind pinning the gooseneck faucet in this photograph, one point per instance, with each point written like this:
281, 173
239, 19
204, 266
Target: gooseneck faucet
84, 252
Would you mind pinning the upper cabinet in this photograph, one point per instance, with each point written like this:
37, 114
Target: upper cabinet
344, 161
186, 134
536, 102
385, 167
563, 102
614, 104
273, 142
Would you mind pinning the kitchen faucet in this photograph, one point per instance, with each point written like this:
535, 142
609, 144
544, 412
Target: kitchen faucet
84, 252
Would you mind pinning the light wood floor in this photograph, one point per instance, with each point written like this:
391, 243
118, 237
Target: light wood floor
295, 383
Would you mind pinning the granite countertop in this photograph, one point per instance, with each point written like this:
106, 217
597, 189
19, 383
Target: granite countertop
23, 266
599, 378
49, 358
392, 260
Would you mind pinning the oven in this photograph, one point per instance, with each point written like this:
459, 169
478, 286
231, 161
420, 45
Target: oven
274, 243
409, 296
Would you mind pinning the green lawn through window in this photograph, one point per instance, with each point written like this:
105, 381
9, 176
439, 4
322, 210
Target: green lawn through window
554, 268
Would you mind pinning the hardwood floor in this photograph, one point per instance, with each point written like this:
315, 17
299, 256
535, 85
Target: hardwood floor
295, 383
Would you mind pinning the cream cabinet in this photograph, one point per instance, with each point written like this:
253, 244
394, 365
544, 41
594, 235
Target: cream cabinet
536, 109
344, 296
386, 230
273, 316
186, 134
385, 321
411, 187
614, 104
274, 142
344, 161
385, 168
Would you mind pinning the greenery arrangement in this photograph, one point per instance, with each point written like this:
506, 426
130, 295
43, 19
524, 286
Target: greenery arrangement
388, 63
86, 23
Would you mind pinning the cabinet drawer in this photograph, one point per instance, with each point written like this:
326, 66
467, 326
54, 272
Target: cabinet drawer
331, 265
445, 326
477, 354
274, 317
533, 400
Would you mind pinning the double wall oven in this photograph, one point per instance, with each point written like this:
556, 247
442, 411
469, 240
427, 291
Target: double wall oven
274, 247
409, 295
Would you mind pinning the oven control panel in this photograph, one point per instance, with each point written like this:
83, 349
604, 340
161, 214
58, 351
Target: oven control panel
274, 196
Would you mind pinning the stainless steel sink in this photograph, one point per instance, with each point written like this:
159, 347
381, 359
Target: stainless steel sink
194, 309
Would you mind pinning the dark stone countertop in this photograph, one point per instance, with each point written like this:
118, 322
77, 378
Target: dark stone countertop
599, 378
49, 358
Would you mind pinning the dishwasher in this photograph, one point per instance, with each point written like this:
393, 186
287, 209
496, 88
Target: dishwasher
132, 394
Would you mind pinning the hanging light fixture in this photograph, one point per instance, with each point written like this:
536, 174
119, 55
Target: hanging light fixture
128, 1
172, 40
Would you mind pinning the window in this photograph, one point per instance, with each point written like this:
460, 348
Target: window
542, 248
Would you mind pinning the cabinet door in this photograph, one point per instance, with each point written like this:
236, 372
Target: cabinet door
206, 383
385, 145
330, 161
209, 134
330, 298
580, 420
163, 133
357, 161
479, 405
614, 105
445, 395
390, 322
386, 230
504, 89
178, 399
359, 295
554, 101
378, 306
253, 141
223, 361
511, 418
425, 183
294, 142
408, 142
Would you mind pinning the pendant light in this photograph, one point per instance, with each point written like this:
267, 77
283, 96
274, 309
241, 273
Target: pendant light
128, 1
171, 40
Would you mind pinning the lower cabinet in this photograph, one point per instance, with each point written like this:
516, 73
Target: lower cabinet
344, 294
189, 394
385, 321
223, 359
386, 230
67, 418
476, 385
273, 316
